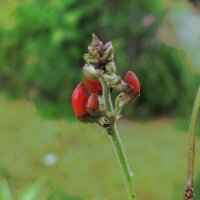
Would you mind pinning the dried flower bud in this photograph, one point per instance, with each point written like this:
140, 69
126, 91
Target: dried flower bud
99, 54
96, 42
93, 102
112, 79
90, 72
110, 67
122, 100
90, 59
108, 53
94, 86
79, 100
133, 80
96, 47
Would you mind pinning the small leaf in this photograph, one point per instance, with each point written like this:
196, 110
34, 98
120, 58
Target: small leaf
5, 193
32, 191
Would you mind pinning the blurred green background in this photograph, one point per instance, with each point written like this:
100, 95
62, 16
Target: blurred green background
41, 55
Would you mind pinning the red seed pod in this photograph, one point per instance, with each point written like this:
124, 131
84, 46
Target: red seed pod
93, 102
79, 100
94, 86
133, 80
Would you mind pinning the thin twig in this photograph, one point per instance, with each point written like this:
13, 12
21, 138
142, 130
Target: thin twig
189, 191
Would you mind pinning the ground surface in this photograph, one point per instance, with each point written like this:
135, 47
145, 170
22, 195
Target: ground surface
78, 158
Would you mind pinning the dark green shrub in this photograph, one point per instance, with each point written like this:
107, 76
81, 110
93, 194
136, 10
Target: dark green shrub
42, 43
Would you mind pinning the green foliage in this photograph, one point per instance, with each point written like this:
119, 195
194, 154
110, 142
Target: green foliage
5, 193
30, 192
42, 44
59, 194
168, 84
197, 186
42, 51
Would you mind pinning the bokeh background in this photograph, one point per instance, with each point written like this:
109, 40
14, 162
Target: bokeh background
45, 153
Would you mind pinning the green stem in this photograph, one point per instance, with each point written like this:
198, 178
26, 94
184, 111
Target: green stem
120, 153
116, 111
189, 193
107, 97
117, 144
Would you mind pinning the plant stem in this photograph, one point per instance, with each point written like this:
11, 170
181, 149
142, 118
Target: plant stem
120, 153
107, 97
117, 144
189, 192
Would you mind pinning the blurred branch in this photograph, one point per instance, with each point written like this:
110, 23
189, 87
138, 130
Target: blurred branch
189, 191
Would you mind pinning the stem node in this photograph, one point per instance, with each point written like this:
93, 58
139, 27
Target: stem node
189, 191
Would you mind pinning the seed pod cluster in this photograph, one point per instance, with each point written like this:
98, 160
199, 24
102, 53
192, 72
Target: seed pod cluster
100, 76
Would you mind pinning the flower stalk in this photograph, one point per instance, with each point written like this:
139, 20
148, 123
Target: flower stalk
121, 156
117, 144
100, 76
189, 190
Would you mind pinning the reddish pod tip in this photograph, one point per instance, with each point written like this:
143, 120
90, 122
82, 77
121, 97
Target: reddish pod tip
93, 86
93, 102
133, 80
79, 100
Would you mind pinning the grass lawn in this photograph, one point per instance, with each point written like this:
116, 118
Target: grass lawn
78, 158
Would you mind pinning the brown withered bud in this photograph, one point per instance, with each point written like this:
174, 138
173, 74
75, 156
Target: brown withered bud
96, 47
189, 193
99, 54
